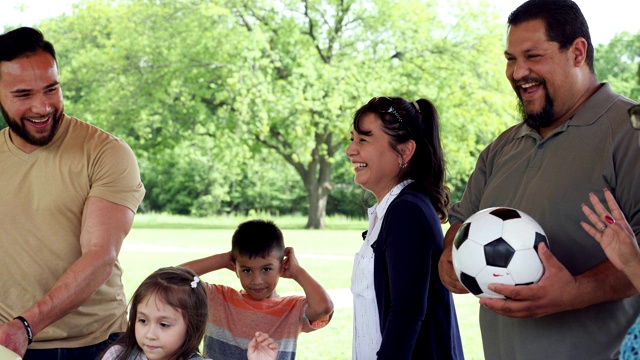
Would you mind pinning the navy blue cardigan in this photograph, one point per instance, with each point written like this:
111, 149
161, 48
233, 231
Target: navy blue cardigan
417, 314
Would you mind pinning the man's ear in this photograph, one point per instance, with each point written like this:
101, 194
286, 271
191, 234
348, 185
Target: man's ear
579, 50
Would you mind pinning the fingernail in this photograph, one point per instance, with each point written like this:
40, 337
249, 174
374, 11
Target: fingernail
605, 189
609, 220
542, 247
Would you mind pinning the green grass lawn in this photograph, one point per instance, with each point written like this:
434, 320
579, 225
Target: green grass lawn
158, 241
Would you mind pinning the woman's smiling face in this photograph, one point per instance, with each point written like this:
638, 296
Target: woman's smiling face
375, 162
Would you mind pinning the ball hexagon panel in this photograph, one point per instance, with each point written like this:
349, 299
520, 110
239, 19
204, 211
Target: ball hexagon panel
493, 275
519, 234
469, 259
525, 267
485, 229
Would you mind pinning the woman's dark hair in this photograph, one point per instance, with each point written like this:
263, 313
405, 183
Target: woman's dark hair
417, 121
173, 285
563, 21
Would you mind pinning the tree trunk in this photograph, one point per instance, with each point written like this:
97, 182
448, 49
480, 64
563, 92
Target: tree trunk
317, 208
318, 189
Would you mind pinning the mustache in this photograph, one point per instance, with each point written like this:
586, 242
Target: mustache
529, 79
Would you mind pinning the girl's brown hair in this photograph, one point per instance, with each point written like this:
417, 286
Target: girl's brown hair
178, 288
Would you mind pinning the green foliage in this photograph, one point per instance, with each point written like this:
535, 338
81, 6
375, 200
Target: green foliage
175, 177
238, 106
265, 184
618, 62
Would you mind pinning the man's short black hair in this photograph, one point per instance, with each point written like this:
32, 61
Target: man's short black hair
255, 238
563, 21
23, 41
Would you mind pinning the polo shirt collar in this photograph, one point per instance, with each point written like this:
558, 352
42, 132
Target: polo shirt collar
588, 113
594, 107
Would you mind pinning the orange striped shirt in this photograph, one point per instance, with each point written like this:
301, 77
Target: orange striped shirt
234, 317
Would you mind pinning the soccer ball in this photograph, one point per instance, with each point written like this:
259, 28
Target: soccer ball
498, 245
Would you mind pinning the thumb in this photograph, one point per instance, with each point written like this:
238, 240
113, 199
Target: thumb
546, 257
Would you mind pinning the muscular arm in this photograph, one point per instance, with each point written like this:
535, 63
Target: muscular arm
633, 273
601, 284
104, 227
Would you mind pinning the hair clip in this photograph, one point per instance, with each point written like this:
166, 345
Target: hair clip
195, 282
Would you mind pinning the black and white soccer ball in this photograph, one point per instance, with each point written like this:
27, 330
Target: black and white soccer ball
498, 245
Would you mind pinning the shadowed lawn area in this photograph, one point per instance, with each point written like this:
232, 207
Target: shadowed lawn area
326, 254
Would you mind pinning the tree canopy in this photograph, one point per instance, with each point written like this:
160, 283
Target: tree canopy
238, 106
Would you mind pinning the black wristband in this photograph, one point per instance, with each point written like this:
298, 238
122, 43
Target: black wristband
27, 328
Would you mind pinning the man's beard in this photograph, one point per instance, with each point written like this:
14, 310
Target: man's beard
542, 119
18, 128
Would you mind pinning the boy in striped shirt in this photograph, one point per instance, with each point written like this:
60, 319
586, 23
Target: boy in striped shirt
259, 259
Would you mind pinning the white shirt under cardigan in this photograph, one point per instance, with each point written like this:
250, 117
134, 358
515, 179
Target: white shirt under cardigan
366, 323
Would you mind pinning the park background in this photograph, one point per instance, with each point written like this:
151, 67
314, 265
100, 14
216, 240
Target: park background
240, 109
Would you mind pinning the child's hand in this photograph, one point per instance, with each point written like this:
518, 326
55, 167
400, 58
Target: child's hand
262, 347
290, 266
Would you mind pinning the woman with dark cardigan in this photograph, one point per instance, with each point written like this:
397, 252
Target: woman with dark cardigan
401, 309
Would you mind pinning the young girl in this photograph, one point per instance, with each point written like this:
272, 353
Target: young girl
167, 320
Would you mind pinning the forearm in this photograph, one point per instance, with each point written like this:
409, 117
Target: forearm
209, 263
633, 274
104, 227
630, 259
73, 288
603, 283
318, 300
450, 235
445, 265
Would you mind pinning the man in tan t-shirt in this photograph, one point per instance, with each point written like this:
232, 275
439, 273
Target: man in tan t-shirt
69, 194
